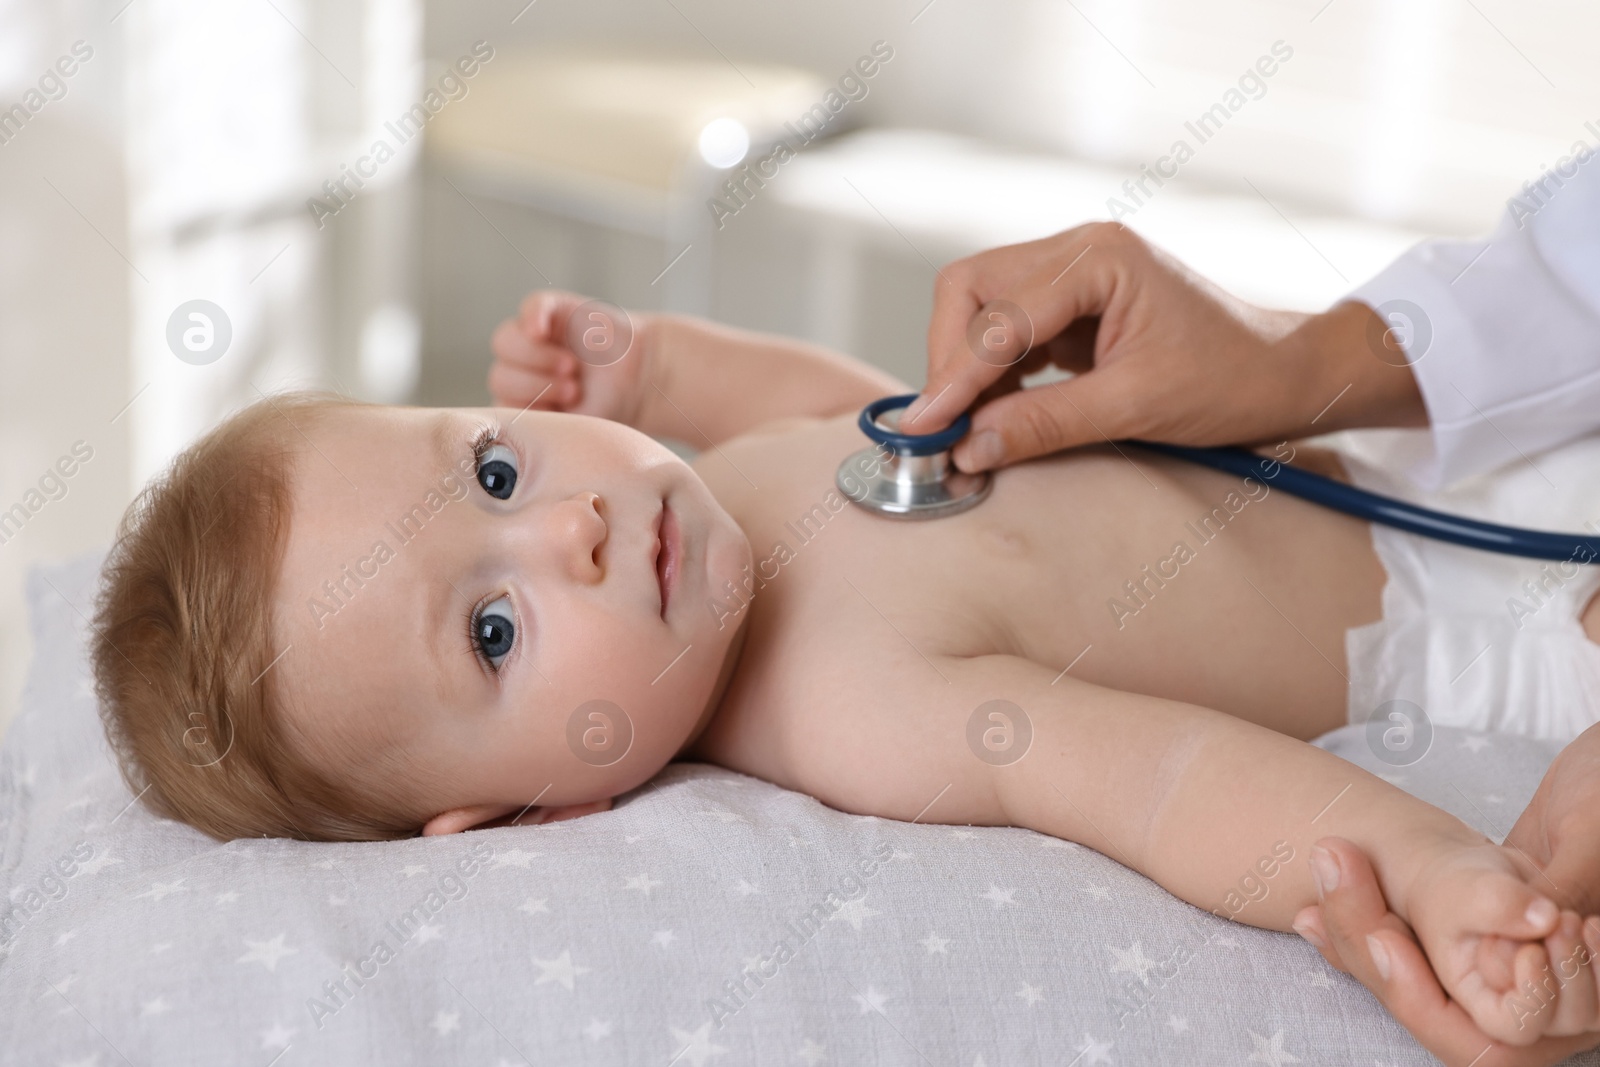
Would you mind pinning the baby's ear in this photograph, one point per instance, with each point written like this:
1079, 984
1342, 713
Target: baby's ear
456, 820
567, 811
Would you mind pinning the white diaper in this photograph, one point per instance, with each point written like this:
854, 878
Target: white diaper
1478, 639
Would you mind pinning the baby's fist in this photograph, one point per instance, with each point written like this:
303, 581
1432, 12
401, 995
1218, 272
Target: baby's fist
1552, 992
1493, 938
563, 352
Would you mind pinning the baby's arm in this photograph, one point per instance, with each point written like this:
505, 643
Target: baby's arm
1219, 811
717, 382
669, 375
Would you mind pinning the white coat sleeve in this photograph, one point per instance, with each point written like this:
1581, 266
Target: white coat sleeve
1503, 335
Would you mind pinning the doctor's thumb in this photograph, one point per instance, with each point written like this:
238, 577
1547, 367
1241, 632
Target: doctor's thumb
1035, 422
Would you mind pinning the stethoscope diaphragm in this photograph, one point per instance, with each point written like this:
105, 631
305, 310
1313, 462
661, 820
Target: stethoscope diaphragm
908, 476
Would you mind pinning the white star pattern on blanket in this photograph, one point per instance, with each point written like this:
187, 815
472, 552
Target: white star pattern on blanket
266, 953
1092, 1051
855, 912
811, 1053
1269, 1050
1131, 960
515, 857
643, 883
694, 1047
278, 1036
1000, 898
161, 890
871, 1000
560, 970
98, 862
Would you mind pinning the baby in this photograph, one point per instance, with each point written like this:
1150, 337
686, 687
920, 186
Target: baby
337, 621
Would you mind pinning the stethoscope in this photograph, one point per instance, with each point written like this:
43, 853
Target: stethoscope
910, 476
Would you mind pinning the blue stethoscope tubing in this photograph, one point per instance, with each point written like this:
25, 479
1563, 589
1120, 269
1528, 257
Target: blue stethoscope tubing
1374, 507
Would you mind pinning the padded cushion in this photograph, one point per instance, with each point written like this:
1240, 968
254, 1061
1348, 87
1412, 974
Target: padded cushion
709, 916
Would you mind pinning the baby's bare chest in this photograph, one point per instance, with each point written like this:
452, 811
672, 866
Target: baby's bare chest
837, 594
1133, 572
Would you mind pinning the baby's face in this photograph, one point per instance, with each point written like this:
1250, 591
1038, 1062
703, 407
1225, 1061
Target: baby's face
466, 609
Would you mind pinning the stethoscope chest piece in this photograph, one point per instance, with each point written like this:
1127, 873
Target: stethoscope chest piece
908, 476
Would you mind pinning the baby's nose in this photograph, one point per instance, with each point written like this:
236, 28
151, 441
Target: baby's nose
581, 532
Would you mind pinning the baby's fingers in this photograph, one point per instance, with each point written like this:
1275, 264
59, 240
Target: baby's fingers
1495, 956
1509, 908
518, 387
1513, 1017
1534, 999
513, 346
1573, 973
544, 314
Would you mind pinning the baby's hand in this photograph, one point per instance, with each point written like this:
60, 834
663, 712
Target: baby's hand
1518, 965
564, 352
1570, 955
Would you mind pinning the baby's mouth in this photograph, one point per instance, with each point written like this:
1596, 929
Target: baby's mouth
669, 554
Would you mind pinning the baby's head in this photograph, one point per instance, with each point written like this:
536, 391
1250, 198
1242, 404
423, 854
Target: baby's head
340, 621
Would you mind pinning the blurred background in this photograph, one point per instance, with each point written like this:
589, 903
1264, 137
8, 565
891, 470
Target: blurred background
204, 200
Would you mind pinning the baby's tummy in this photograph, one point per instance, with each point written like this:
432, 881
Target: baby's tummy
1131, 570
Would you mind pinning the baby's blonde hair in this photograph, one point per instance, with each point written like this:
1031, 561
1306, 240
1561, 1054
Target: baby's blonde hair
183, 643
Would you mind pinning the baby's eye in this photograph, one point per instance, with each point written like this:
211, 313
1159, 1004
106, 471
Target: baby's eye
493, 632
497, 471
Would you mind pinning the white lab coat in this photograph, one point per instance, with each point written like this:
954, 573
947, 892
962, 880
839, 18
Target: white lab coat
1506, 347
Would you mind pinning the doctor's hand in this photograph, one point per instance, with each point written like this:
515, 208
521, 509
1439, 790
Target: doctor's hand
1356, 932
1560, 828
1159, 353
1559, 832
564, 352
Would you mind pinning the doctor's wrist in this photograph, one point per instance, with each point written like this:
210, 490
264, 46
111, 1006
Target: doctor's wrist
1355, 374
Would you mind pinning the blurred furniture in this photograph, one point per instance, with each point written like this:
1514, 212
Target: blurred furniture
841, 247
616, 141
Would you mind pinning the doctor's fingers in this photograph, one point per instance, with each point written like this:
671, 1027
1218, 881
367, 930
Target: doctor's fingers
1070, 350
990, 308
1351, 908
1091, 408
1572, 877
